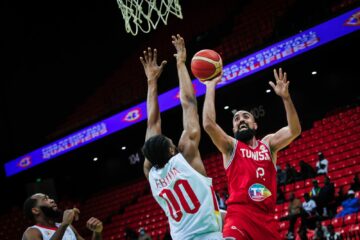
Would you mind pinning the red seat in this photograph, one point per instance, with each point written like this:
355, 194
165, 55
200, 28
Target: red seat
347, 154
326, 222
306, 152
338, 174
299, 185
350, 219
341, 182
308, 183
285, 207
300, 193
289, 187
312, 158
305, 134
326, 146
351, 229
337, 222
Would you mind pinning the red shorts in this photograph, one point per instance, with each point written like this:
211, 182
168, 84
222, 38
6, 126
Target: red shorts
246, 223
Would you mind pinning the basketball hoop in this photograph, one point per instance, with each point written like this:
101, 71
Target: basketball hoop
138, 14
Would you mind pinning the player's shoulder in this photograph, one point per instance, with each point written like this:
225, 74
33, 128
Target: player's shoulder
178, 158
267, 138
32, 232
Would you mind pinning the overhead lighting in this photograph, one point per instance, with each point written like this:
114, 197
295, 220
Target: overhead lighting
268, 90
123, 148
95, 159
314, 72
226, 107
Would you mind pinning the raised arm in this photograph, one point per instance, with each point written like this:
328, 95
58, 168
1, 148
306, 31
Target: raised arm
190, 137
152, 72
287, 134
222, 141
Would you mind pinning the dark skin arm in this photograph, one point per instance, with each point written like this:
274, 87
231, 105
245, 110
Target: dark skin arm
190, 137
94, 225
152, 72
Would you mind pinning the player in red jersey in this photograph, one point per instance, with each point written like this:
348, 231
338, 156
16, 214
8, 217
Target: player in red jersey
250, 164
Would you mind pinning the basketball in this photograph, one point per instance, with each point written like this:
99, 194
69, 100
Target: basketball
206, 64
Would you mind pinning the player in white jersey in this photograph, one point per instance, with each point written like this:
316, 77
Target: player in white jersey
177, 174
43, 210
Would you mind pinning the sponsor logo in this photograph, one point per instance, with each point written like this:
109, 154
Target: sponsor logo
258, 192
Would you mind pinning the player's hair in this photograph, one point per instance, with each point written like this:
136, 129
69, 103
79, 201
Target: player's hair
28, 205
157, 150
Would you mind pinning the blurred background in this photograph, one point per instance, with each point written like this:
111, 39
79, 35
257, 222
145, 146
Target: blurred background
67, 65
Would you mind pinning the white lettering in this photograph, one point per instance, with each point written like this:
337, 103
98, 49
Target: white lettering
163, 182
255, 190
260, 172
255, 155
243, 151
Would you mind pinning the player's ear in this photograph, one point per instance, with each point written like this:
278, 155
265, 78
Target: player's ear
255, 126
35, 210
234, 128
171, 151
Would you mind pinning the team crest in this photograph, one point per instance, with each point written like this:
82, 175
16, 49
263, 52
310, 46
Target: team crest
258, 192
354, 20
132, 115
25, 162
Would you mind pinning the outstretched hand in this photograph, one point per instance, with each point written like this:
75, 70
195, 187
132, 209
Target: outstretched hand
95, 225
282, 84
179, 44
213, 82
149, 62
70, 215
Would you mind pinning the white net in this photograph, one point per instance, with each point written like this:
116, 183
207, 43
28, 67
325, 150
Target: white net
145, 15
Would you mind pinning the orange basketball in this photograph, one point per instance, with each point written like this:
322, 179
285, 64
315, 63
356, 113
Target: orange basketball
206, 64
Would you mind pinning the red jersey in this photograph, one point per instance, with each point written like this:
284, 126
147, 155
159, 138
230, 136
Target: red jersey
251, 177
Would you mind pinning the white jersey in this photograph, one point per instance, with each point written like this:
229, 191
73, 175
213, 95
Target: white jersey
47, 232
187, 199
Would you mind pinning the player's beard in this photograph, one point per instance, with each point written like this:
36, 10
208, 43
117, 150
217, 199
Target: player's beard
50, 213
245, 135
